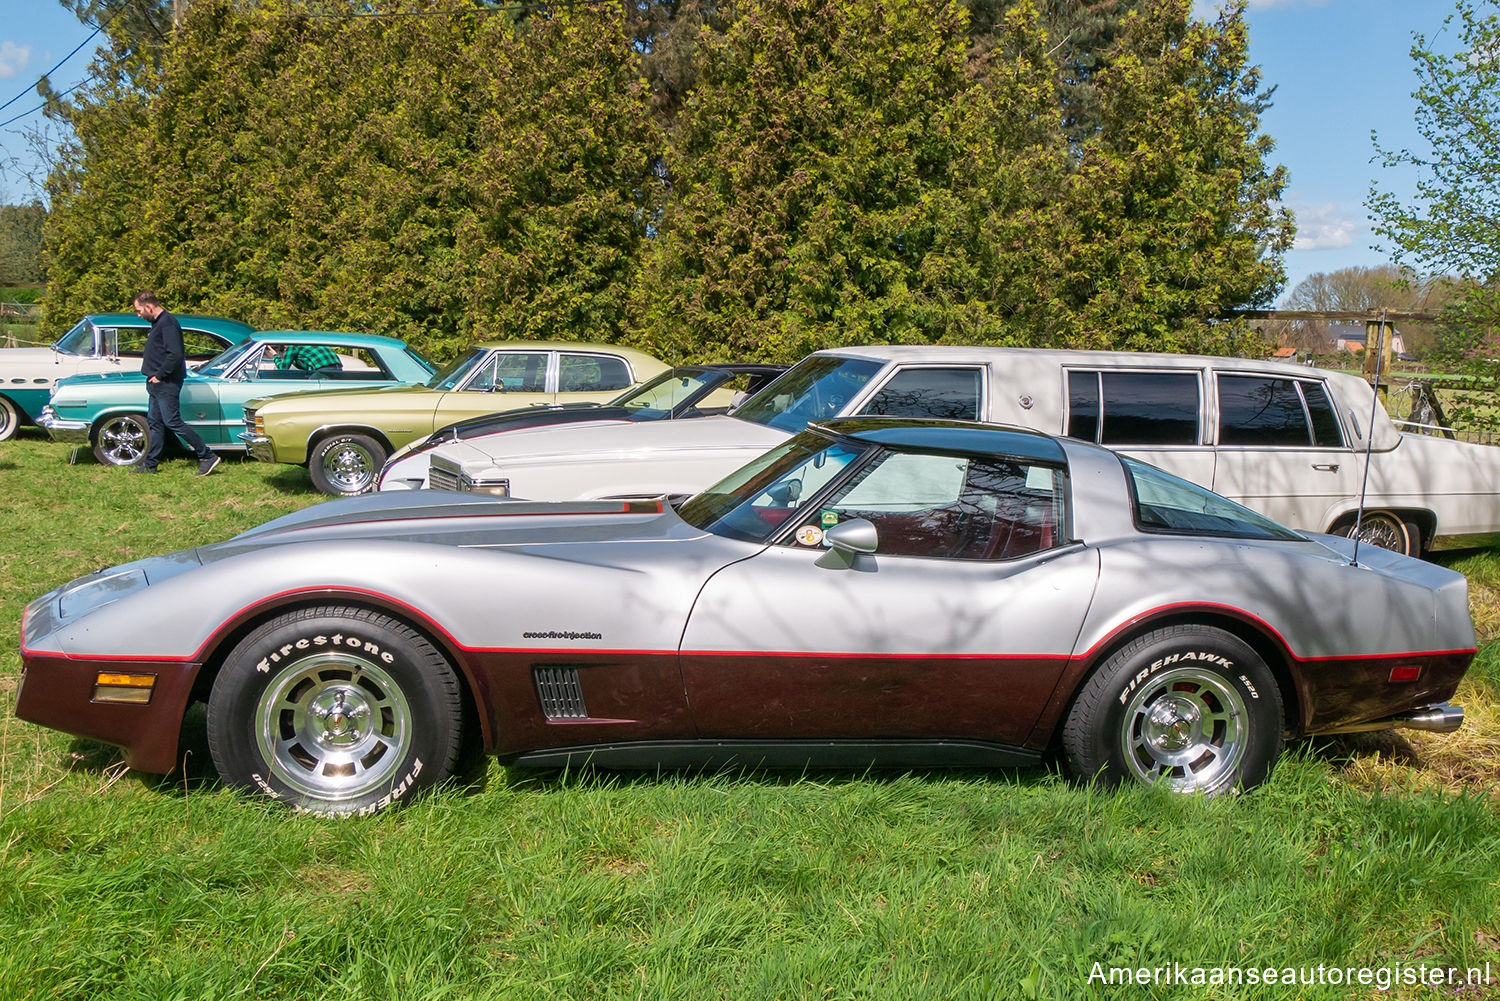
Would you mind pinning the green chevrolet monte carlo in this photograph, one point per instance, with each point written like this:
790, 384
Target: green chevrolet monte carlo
98, 343
344, 437
108, 411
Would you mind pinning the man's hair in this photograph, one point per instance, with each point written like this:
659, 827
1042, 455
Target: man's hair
147, 298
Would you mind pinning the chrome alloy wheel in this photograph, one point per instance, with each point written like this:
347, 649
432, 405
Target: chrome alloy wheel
333, 726
1187, 728
122, 440
348, 465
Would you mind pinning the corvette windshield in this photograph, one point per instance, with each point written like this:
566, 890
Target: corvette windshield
814, 389
78, 341
225, 361
752, 502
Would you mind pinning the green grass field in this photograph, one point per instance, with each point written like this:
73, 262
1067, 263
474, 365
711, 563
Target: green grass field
1377, 858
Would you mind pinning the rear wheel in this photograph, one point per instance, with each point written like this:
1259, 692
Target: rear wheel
346, 464
1192, 707
1388, 531
121, 440
10, 419
335, 710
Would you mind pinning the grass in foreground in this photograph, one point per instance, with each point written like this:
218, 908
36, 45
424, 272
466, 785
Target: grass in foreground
596, 885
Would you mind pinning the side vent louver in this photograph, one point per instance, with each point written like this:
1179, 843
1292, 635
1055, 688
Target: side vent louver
559, 692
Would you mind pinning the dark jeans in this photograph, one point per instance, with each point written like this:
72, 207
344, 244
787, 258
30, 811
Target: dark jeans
164, 414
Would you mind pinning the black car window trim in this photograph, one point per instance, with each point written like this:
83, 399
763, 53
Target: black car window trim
873, 389
1301, 383
1099, 373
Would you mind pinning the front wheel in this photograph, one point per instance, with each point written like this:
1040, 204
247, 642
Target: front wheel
10, 419
1193, 707
335, 711
122, 440
345, 464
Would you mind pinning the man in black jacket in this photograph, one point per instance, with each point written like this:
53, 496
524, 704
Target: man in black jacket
164, 364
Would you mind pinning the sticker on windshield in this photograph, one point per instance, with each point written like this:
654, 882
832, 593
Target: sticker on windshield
830, 518
810, 535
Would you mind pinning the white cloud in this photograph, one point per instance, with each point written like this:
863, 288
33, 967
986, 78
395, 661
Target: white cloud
1322, 227
13, 59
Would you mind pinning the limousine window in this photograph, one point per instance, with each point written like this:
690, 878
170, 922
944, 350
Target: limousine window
1134, 408
1261, 410
941, 393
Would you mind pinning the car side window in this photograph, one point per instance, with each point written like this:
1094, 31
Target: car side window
949, 507
197, 345
943, 393
131, 341
592, 373
511, 372
1135, 408
1325, 422
1260, 410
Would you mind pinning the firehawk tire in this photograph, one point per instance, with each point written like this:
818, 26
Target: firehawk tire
335, 711
1190, 706
346, 464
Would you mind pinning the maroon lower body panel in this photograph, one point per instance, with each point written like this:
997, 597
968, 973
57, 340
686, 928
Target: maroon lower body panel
58, 692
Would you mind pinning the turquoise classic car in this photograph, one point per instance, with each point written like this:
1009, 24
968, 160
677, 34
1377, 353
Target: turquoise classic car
108, 411
98, 343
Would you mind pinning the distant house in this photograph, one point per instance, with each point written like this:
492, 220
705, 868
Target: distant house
1350, 336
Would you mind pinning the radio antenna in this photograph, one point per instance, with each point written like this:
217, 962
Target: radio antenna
1364, 483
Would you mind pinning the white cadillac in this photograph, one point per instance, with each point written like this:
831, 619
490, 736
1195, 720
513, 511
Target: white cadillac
1286, 440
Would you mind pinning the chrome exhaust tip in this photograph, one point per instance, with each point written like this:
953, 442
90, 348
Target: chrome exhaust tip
1441, 718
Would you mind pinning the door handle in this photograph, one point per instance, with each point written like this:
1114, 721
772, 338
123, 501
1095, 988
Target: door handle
1327, 467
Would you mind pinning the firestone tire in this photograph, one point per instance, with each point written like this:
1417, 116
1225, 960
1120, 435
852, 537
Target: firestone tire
335, 711
1189, 706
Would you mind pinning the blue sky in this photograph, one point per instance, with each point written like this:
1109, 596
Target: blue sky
1341, 69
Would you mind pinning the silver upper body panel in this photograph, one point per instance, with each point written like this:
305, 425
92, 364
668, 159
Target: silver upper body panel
496, 575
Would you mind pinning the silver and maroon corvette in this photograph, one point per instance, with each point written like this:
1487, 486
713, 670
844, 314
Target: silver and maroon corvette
869, 592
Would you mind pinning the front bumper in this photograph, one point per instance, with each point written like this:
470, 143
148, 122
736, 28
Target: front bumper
259, 446
71, 432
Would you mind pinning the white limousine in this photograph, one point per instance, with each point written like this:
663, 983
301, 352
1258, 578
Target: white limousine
1286, 440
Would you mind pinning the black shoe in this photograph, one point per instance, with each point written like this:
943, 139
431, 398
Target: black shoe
143, 469
206, 466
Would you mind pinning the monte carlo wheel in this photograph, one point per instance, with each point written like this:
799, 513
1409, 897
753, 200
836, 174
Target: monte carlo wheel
345, 464
1189, 706
121, 439
335, 710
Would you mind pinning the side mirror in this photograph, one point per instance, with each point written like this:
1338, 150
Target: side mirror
847, 541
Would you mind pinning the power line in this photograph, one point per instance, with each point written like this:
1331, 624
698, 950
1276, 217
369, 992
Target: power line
39, 107
50, 72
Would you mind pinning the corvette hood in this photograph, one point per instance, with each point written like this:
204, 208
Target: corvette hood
462, 520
